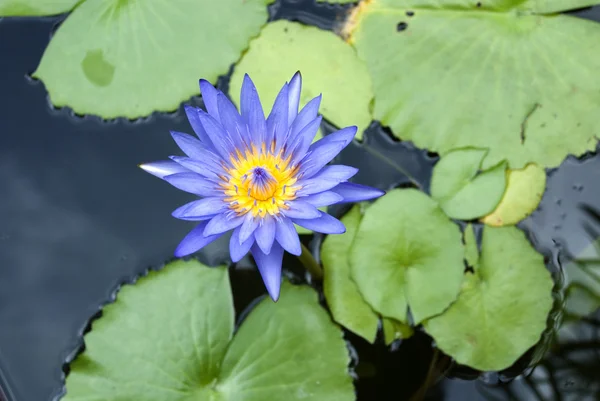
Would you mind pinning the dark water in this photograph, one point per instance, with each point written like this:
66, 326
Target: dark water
77, 218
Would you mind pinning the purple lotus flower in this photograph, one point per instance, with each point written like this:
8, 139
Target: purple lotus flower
259, 176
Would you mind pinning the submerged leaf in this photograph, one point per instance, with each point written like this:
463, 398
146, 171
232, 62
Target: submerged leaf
524, 191
167, 338
345, 301
502, 308
130, 58
407, 253
18, 8
463, 192
328, 66
453, 74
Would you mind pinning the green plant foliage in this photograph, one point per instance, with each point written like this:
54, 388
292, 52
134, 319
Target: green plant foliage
471, 250
18, 8
128, 58
502, 308
582, 293
328, 66
395, 330
167, 338
524, 190
337, 1
407, 253
463, 192
501, 76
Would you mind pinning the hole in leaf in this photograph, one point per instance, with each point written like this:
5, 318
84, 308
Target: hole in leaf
401, 26
410, 13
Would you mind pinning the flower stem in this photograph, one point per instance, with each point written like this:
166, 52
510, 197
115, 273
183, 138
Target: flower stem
310, 264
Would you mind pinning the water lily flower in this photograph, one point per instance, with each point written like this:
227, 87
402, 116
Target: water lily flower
259, 176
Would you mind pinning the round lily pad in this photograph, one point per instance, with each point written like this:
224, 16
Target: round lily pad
407, 253
129, 58
491, 74
167, 338
343, 298
502, 308
22, 8
524, 190
328, 65
462, 191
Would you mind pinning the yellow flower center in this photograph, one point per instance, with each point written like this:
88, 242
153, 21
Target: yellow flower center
259, 182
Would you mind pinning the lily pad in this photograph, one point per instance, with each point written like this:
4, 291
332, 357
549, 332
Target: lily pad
407, 253
500, 76
524, 191
328, 66
22, 8
394, 330
345, 301
128, 58
168, 338
503, 305
471, 249
463, 192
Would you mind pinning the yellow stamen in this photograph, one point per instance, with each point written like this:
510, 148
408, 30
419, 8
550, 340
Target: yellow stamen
260, 182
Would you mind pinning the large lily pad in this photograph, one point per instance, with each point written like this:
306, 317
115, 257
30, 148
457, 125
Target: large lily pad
452, 74
167, 338
328, 66
503, 306
14, 8
130, 58
524, 190
461, 190
407, 253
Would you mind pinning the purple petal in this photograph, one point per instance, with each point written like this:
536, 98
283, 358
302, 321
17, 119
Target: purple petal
325, 224
193, 183
252, 111
237, 249
205, 168
193, 115
301, 143
323, 198
209, 97
200, 209
194, 241
191, 146
299, 209
314, 186
321, 152
356, 193
294, 90
232, 121
163, 168
217, 135
277, 127
287, 236
248, 226
336, 172
269, 267
265, 234
306, 115
221, 223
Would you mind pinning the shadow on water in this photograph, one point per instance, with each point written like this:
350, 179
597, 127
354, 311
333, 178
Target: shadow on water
78, 219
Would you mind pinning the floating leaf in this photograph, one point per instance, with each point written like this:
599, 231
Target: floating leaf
460, 190
503, 306
556, 6
345, 301
451, 75
167, 338
524, 191
407, 253
130, 58
328, 66
16, 8
471, 251
395, 330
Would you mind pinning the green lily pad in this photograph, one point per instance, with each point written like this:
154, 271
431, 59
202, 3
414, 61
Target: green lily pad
328, 66
524, 190
345, 301
394, 330
407, 253
22, 8
502, 308
556, 6
128, 58
168, 338
452, 75
463, 192
471, 250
